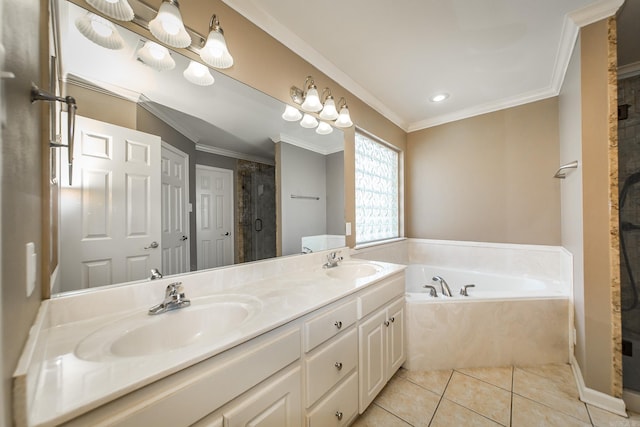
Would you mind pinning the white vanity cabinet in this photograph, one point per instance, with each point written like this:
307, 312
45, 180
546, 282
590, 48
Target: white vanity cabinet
381, 336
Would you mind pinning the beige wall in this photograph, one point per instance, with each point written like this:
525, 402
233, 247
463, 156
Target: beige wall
100, 106
21, 180
487, 178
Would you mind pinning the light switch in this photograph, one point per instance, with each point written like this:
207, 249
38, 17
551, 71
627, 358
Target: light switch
32, 267
348, 229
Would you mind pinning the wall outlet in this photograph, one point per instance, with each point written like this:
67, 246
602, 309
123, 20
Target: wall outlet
32, 267
347, 230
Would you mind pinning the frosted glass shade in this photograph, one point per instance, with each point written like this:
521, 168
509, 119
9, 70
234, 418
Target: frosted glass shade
198, 74
168, 27
116, 9
291, 114
156, 56
344, 119
100, 31
215, 51
329, 111
324, 128
312, 102
308, 121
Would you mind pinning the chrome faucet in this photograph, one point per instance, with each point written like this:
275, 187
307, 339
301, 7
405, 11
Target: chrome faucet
173, 299
443, 285
463, 290
332, 260
306, 250
155, 274
432, 290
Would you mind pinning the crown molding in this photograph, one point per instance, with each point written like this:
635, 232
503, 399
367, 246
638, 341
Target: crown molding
146, 103
233, 154
308, 145
629, 70
102, 87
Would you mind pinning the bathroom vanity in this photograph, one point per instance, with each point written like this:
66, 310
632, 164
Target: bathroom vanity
282, 342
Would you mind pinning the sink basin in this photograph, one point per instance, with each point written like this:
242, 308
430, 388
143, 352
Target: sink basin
144, 335
353, 270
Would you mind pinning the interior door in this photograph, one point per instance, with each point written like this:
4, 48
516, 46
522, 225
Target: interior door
175, 210
110, 220
214, 216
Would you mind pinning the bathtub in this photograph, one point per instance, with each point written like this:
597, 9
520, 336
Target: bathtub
505, 320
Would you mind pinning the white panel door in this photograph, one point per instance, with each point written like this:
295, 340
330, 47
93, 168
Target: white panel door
175, 210
110, 216
214, 216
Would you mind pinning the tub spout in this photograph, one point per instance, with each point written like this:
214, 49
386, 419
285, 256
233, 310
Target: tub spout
446, 291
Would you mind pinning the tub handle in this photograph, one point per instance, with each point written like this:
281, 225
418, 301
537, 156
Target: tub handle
463, 290
432, 290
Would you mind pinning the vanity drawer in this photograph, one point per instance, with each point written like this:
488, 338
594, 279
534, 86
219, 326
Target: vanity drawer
339, 407
322, 327
380, 295
328, 365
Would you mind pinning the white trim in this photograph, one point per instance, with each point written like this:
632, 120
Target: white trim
147, 104
594, 397
102, 87
307, 145
233, 154
629, 70
631, 399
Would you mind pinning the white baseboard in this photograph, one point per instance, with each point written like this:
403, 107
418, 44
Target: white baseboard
631, 399
594, 397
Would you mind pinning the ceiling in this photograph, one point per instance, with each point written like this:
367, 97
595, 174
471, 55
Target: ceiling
486, 54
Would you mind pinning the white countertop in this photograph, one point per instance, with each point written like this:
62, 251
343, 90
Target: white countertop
60, 386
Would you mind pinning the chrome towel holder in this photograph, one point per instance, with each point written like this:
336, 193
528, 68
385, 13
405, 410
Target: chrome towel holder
562, 171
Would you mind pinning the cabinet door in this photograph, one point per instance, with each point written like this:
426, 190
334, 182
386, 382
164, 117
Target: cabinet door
372, 344
275, 404
396, 345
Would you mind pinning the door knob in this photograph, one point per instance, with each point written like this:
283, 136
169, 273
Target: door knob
183, 238
153, 245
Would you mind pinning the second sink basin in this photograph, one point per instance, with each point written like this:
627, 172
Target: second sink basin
350, 270
144, 335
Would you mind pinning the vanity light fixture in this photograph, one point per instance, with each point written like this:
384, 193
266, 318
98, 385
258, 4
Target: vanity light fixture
116, 9
156, 56
324, 128
344, 119
308, 121
291, 114
311, 103
168, 27
215, 51
198, 74
100, 31
329, 111
439, 97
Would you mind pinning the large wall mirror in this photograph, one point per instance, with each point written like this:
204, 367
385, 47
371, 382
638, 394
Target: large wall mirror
178, 177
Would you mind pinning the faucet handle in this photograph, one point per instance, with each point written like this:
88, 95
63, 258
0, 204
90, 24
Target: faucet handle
463, 290
432, 290
174, 288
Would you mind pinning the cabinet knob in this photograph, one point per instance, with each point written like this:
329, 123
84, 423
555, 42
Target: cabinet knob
338, 324
393, 319
338, 365
386, 323
339, 415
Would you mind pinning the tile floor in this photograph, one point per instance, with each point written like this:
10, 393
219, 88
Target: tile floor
511, 396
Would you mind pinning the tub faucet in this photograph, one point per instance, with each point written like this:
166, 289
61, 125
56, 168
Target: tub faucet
463, 290
443, 285
332, 260
432, 290
173, 299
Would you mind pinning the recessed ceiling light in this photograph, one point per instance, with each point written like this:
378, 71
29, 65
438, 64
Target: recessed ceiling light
439, 97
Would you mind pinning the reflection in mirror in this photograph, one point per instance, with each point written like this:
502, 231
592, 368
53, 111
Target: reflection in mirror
178, 176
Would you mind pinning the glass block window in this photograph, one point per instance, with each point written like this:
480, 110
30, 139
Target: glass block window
377, 200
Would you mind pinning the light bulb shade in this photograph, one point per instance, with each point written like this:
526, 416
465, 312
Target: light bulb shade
118, 9
168, 27
215, 51
308, 121
198, 74
344, 119
312, 102
324, 128
291, 114
100, 31
329, 111
156, 56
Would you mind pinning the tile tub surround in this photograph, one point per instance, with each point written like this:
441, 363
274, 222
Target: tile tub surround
515, 396
52, 385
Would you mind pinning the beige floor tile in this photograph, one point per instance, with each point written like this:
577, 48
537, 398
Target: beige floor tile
435, 381
527, 413
634, 419
557, 395
479, 396
602, 418
375, 416
560, 374
408, 401
451, 414
501, 377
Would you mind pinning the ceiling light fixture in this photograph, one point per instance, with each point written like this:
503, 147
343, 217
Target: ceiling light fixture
116, 9
215, 51
291, 114
156, 56
439, 97
168, 27
308, 121
99, 31
344, 119
198, 74
324, 128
